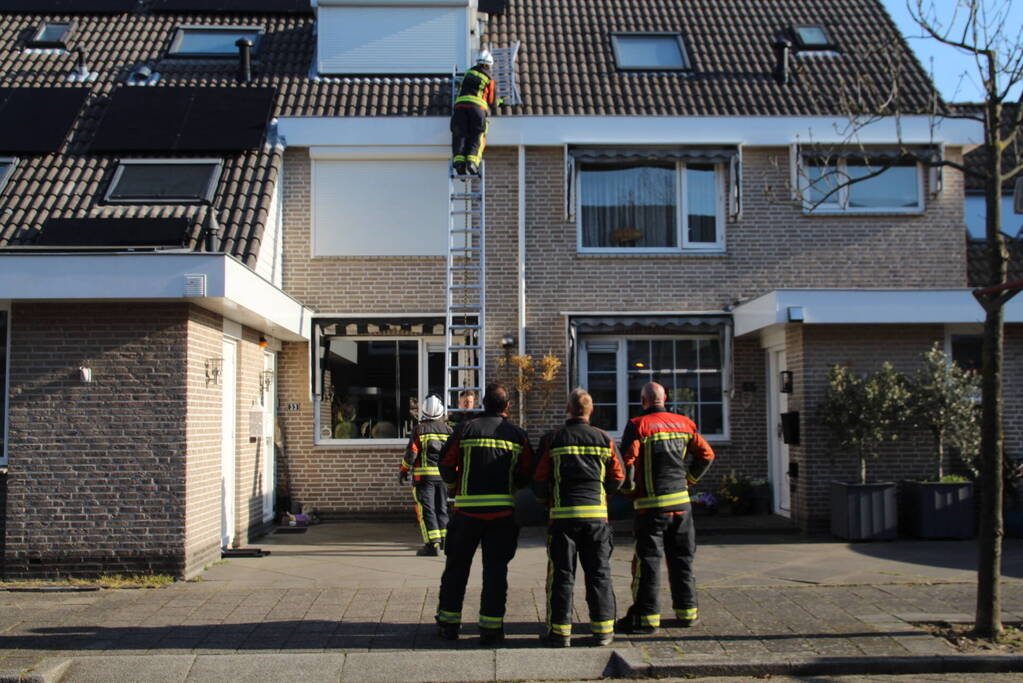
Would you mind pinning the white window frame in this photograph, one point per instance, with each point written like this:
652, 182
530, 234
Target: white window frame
424, 350
36, 42
5, 175
179, 36
5, 379
838, 203
211, 189
622, 375
681, 216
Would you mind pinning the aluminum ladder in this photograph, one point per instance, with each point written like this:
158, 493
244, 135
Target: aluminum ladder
464, 339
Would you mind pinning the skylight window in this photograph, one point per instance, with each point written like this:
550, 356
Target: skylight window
49, 34
7, 165
212, 41
649, 51
166, 181
812, 37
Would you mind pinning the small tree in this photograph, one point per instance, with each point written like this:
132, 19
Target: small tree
864, 412
943, 399
529, 376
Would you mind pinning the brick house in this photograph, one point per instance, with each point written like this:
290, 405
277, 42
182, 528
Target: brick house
650, 212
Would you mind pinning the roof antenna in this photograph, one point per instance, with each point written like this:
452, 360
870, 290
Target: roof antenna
244, 60
782, 48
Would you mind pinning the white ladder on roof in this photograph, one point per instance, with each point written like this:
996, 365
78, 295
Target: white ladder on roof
464, 325
504, 72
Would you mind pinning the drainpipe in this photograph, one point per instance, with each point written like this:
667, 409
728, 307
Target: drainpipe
522, 258
244, 46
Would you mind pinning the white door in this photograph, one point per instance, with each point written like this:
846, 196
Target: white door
777, 403
228, 443
268, 463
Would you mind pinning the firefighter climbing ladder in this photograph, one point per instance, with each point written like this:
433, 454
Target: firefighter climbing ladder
464, 358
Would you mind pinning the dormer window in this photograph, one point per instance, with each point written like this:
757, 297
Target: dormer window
212, 41
649, 51
50, 34
812, 37
164, 181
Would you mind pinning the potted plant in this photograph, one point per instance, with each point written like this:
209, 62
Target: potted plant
862, 413
943, 400
737, 490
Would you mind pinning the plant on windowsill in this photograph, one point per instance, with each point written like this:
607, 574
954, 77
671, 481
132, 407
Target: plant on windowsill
626, 237
864, 412
943, 401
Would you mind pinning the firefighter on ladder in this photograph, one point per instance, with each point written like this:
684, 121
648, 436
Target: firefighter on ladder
578, 469
420, 465
469, 122
655, 447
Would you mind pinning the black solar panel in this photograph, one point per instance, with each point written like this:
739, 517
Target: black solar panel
276, 6
68, 6
184, 120
92, 233
493, 6
37, 119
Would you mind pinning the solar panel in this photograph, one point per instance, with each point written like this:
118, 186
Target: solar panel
68, 6
276, 6
184, 120
125, 233
493, 6
37, 119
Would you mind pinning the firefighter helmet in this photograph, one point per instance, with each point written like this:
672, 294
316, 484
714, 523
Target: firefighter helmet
485, 58
433, 408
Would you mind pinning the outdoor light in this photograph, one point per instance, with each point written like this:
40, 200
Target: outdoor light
214, 370
507, 341
266, 380
786, 381
796, 314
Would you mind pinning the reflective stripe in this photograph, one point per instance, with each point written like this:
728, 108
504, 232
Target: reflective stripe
649, 620
687, 614
667, 500
579, 512
434, 534
426, 470
491, 622
493, 443
602, 451
602, 626
449, 617
561, 629
483, 501
472, 99
666, 436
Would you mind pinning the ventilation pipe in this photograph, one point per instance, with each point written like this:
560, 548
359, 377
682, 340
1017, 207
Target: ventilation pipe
211, 231
80, 66
782, 50
244, 46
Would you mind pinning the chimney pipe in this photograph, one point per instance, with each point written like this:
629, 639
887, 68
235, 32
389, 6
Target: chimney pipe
782, 49
212, 229
80, 66
244, 60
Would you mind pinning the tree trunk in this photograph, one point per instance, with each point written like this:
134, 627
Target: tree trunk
863, 468
941, 452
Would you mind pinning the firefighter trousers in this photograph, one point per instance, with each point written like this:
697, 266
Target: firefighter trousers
499, 539
590, 542
673, 538
431, 497
468, 134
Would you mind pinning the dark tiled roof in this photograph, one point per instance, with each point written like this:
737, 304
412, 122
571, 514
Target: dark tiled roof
565, 68
978, 264
977, 159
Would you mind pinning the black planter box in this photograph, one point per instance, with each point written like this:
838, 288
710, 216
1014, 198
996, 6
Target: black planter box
938, 509
864, 512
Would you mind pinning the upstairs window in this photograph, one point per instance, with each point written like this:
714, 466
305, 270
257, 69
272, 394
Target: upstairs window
210, 41
649, 51
857, 184
164, 181
50, 34
812, 37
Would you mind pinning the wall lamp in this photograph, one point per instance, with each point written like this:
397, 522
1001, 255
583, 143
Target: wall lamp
785, 379
507, 341
266, 380
214, 370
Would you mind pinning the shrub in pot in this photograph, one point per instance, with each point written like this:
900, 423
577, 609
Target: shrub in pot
862, 413
943, 401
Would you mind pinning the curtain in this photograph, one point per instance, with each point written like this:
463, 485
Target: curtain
628, 205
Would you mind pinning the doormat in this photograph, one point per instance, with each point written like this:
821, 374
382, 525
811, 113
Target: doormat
291, 530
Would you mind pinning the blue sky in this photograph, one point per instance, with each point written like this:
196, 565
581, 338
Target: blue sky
949, 63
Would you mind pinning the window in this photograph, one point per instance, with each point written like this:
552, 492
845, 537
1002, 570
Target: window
649, 51
857, 185
373, 386
4, 316
7, 165
209, 41
164, 181
812, 38
691, 369
650, 206
965, 350
975, 213
49, 34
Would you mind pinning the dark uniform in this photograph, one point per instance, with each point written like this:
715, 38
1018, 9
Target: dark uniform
428, 491
578, 468
654, 448
485, 460
469, 117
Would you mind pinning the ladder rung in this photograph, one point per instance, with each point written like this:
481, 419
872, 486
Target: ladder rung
465, 286
458, 196
464, 249
465, 307
464, 347
463, 368
463, 389
466, 212
463, 327
465, 267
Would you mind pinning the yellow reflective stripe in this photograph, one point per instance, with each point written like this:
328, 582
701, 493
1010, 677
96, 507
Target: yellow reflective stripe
601, 451
561, 629
434, 534
426, 470
667, 500
493, 443
687, 614
666, 436
434, 437
602, 626
556, 458
472, 99
449, 617
420, 517
649, 619
579, 511
491, 622
484, 501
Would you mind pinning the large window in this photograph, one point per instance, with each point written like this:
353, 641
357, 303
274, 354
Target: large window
3, 385
650, 206
691, 369
855, 185
373, 387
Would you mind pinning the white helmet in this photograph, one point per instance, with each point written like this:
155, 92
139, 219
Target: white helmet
485, 58
433, 408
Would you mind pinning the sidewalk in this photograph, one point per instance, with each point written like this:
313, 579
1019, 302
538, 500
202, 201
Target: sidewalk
351, 602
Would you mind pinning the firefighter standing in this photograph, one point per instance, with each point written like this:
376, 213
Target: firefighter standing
469, 116
654, 448
578, 468
428, 491
485, 460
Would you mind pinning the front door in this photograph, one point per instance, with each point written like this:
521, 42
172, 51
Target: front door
228, 443
777, 403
